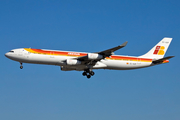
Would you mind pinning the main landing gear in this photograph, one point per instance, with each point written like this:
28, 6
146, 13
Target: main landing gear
21, 67
88, 73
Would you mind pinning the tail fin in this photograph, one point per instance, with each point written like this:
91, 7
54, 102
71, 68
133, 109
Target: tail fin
159, 50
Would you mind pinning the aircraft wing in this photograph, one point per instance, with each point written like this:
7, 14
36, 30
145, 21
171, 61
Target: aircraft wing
161, 60
105, 53
109, 52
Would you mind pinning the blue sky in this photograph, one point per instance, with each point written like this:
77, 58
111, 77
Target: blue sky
42, 92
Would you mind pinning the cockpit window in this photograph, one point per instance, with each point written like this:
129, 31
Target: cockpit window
11, 51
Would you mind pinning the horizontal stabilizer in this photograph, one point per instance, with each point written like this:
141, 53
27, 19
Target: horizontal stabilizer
162, 60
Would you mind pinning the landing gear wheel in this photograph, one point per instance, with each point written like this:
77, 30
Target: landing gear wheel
21, 67
88, 76
84, 73
92, 73
88, 73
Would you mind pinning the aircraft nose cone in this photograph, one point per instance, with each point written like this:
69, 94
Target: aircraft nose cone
6, 55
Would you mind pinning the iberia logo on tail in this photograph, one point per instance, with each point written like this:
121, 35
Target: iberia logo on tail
159, 50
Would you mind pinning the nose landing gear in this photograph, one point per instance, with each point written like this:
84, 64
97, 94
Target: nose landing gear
21, 67
88, 73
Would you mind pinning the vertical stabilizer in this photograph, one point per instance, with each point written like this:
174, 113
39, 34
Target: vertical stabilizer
159, 50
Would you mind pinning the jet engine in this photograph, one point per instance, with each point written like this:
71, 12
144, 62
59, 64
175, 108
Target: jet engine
73, 62
94, 56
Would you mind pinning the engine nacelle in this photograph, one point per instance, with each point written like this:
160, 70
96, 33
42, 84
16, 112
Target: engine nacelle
73, 62
94, 56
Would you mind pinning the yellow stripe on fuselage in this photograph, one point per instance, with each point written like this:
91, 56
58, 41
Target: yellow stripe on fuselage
63, 53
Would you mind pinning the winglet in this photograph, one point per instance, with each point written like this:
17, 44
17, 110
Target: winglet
124, 44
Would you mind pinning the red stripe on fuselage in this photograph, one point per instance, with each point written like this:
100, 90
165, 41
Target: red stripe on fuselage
78, 54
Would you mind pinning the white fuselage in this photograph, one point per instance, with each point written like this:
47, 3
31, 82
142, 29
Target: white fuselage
81, 61
48, 57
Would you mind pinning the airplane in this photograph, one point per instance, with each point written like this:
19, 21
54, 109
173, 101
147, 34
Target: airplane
86, 62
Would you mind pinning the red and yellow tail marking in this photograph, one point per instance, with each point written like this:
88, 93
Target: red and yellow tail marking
159, 50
